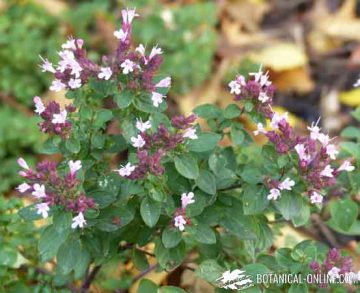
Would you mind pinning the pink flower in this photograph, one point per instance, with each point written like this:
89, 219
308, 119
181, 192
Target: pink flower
327, 172
331, 151
143, 126
74, 83
300, 149
74, 166
156, 98
78, 221
334, 273
59, 118
69, 44
190, 133
180, 222
324, 139
274, 194
120, 35
186, 199
105, 73
128, 15
316, 198
138, 141
39, 190
263, 97
126, 170
276, 119
57, 86
261, 78
47, 66
23, 187
260, 129
287, 184
314, 130
155, 51
346, 166
43, 209
127, 66
165, 82
22, 163
39, 106
235, 87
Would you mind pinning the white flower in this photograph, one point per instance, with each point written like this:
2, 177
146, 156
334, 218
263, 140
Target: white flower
74, 166
274, 194
59, 118
127, 66
43, 209
190, 133
314, 130
316, 197
276, 119
141, 50
155, 51
287, 184
120, 35
78, 221
128, 15
357, 83
75, 68
105, 73
126, 170
165, 82
327, 172
334, 273
137, 142
39, 106
301, 151
235, 87
261, 78
70, 44
156, 98
180, 222
143, 126
260, 129
47, 65
186, 199
263, 97
74, 83
331, 151
22, 163
23, 187
39, 190
346, 166
324, 139
57, 85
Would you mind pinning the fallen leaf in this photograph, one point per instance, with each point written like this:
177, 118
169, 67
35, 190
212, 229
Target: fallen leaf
350, 98
294, 80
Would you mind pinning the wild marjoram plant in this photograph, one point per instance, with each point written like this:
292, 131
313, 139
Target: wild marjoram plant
198, 202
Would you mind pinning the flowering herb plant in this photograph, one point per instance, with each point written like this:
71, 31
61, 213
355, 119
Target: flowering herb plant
200, 205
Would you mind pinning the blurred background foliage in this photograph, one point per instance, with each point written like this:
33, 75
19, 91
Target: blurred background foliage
311, 49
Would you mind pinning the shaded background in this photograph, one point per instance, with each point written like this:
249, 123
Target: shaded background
311, 49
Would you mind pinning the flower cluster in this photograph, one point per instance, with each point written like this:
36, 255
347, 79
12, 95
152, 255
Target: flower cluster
50, 189
153, 146
55, 120
138, 69
333, 265
180, 219
257, 90
314, 153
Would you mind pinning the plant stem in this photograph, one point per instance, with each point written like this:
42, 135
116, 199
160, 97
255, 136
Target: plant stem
89, 279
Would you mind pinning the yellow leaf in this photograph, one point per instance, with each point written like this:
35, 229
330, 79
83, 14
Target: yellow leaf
294, 80
351, 98
281, 56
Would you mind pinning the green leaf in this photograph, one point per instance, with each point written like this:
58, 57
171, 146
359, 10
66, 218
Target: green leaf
114, 217
205, 142
50, 241
73, 145
210, 271
298, 288
251, 174
147, 286
150, 211
29, 213
206, 182
67, 256
232, 111
187, 166
102, 116
8, 256
344, 213
169, 258
237, 135
202, 233
123, 99
351, 148
170, 289
83, 261
254, 199
171, 237
144, 103
208, 111
139, 259
289, 205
